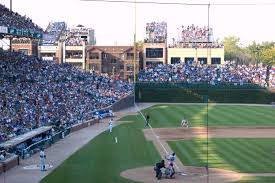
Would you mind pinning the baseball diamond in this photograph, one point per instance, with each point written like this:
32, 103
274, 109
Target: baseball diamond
241, 147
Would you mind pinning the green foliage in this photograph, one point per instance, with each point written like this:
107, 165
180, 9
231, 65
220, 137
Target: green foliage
268, 56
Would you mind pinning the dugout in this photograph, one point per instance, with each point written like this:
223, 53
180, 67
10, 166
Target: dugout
21, 142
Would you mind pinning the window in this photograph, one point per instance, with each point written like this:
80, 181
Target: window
74, 54
113, 60
130, 56
130, 67
215, 60
175, 60
202, 60
121, 67
94, 56
154, 52
24, 51
189, 60
93, 67
104, 55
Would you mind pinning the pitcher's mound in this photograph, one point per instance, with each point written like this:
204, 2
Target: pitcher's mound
192, 175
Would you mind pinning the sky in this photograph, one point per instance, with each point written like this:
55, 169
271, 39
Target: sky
114, 22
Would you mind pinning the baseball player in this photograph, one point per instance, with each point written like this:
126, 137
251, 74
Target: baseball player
171, 158
184, 123
147, 120
111, 125
42, 160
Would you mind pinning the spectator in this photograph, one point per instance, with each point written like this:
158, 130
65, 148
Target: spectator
213, 74
14, 20
35, 93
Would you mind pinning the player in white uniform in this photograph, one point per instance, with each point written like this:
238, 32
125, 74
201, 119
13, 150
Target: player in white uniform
184, 123
171, 158
111, 125
42, 160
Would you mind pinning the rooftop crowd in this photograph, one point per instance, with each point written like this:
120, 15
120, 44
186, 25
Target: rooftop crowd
192, 33
53, 32
156, 32
35, 93
14, 20
214, 74
74, 36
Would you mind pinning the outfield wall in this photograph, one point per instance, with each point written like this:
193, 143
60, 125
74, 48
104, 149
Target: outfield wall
174, 93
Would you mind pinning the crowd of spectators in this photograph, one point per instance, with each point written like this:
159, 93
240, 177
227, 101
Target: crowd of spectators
35, 93
156, 32
53, 32
73, 39
197, 45
75, 36
15, 20
214, 74
192, 33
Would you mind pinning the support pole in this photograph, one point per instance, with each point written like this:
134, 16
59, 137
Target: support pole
135, 51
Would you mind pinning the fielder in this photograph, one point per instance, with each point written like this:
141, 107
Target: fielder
42, 160
111, 125
184, 123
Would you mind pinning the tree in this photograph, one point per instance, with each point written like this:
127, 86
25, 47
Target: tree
268, 58
254, 50
231, 47
233, 51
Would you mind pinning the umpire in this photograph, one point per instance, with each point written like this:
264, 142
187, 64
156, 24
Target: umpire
158, 168
147, 120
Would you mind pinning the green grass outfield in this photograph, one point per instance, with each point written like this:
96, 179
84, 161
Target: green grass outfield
218, 115
102, 160
240, 155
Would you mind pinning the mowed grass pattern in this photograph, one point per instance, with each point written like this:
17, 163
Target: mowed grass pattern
167, 116
102, 160
240, 155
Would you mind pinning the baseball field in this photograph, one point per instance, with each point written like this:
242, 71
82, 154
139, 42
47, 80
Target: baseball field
240, 147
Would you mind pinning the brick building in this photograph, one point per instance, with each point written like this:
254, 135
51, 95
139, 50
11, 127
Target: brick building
114, 60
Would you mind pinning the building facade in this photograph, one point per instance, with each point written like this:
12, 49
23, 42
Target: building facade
75, 55
199, 55
27, 46
117, 61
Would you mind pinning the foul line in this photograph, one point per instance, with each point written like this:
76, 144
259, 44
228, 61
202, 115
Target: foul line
156, 136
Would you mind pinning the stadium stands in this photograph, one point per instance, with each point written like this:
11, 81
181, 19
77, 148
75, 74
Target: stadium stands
214, 74
35, 93
156, 32
53, 32
14, 20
